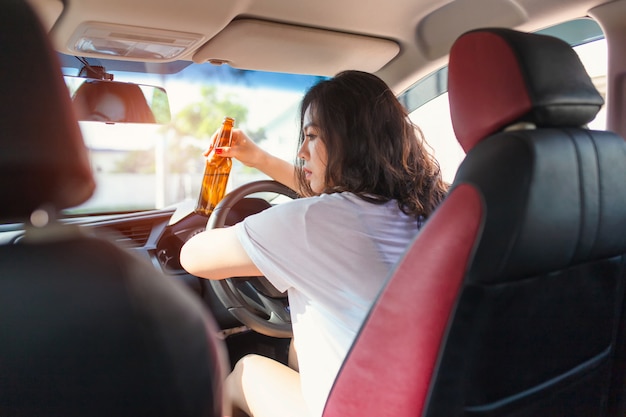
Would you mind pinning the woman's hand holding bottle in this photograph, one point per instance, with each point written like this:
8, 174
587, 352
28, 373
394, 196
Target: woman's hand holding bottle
243, 149
250, 154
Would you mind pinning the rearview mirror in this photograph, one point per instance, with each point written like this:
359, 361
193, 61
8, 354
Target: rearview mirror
118, 102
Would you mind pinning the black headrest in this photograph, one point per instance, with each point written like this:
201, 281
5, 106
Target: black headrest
499, 77
43, 160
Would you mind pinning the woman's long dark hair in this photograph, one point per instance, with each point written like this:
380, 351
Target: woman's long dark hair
374, 150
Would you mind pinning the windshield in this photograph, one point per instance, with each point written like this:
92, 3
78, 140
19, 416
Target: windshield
148, 166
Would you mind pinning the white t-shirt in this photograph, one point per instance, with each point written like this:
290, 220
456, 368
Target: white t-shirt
332, 254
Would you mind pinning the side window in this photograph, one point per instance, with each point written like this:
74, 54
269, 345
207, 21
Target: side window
427, 101
594, 57
433, 118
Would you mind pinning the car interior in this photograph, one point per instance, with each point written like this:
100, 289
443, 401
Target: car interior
510, 301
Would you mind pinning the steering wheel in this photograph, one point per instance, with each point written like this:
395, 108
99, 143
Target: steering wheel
254, 301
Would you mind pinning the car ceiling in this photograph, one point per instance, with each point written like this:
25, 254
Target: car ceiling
400, 40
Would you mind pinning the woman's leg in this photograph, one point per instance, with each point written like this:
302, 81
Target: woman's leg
263, 387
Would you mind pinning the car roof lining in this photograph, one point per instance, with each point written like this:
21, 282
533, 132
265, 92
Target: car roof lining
422, 30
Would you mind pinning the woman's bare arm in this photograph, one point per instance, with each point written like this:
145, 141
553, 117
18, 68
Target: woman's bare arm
217, 254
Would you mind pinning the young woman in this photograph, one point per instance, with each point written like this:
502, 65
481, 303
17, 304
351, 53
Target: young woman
369, 183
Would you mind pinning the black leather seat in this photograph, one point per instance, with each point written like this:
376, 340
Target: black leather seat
508, 302
86, 329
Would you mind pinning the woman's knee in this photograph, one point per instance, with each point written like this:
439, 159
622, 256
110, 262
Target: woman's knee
261, 386
250, 370
249, 362
238, 384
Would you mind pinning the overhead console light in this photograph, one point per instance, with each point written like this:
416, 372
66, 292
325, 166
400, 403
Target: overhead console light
128, 42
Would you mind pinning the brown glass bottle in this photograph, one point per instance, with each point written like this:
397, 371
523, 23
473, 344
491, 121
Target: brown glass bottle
216, 172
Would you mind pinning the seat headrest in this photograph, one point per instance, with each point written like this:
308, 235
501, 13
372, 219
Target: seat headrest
499, 77
43, 161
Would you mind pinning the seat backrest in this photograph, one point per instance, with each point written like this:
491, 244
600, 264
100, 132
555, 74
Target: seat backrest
508, 301
87, 329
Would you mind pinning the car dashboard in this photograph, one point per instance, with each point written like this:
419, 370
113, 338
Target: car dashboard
157, 236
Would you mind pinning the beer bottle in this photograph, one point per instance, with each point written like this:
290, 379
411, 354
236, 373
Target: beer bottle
216, 172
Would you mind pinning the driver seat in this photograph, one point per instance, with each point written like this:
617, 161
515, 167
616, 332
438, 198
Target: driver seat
87, 328
508, 302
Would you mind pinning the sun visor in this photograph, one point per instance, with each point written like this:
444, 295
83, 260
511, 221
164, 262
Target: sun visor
279, 47
437, 32
48, 11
